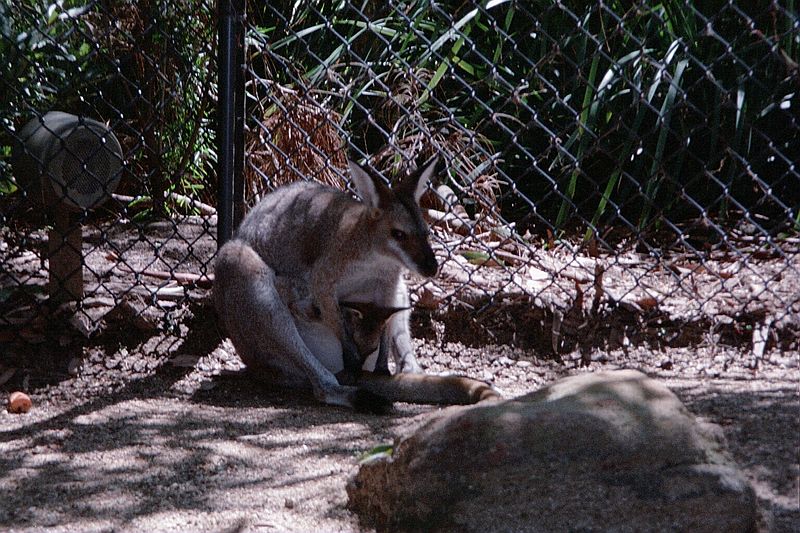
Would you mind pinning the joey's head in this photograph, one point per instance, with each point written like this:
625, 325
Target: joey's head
364, 323
397, 218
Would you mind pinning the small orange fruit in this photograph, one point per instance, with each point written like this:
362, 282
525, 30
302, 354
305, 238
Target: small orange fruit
19, 402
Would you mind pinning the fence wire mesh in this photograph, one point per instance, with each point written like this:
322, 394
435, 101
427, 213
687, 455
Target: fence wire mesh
613, 169
106, 173
614, 172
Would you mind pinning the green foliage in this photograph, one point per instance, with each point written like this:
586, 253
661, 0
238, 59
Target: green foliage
381, 451
147, 68
593, 112
31, 56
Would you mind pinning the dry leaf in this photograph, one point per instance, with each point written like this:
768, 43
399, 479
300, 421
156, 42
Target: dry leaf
647, 303
591, 248
428, 300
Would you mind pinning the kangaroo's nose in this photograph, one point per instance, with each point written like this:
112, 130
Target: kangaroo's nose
429, 266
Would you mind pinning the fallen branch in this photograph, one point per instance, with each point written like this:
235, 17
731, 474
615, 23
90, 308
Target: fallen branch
184, 278
458, 224
203, 208
508, 256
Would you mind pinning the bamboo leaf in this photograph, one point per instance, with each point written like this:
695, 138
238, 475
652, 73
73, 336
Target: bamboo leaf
586, 117
455, 30
664, 121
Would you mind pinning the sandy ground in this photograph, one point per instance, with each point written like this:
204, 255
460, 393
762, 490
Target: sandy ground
144, 421
202, 447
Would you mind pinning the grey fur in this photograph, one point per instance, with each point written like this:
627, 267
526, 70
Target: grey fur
339, 248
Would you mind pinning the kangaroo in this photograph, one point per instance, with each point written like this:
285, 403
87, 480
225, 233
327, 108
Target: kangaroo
364, 323
344, 250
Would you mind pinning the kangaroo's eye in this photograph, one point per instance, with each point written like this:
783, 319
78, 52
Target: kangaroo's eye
399, 235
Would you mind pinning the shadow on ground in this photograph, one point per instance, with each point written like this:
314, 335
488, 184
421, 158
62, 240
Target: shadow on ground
238, 456
762, 427
226, 458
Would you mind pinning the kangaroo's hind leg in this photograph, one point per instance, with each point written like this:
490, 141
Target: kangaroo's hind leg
262, 327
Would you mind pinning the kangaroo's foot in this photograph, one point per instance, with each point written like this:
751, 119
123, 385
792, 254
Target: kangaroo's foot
339, 395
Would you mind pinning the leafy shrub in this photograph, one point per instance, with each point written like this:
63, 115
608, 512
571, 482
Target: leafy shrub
145, 67
627, 114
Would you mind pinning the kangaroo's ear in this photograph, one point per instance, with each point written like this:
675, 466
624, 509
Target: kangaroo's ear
358, 315
369, 310
387, 312
359, 309
371, 188
416, 183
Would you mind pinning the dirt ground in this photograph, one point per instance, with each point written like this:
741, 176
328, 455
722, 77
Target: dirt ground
143, 419
191, 443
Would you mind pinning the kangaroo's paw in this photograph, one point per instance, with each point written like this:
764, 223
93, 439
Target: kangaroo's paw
339, 395
484, 392
369, 402
409, 365
346, 377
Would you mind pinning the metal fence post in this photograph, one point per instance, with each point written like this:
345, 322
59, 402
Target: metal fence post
238, 134
230, 138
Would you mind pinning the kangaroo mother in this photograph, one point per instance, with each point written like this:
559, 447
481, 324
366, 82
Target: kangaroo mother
343, 249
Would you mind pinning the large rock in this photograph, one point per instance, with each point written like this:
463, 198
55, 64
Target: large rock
611, 451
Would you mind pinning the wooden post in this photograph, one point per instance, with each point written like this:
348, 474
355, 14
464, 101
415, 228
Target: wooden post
65, 257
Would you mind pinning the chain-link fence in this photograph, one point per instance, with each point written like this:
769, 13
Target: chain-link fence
615, 172
613, 169
107, 170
